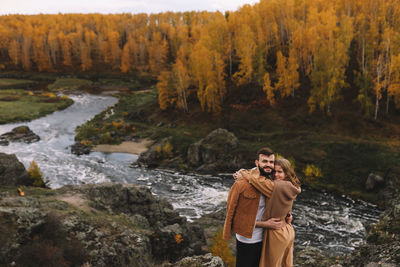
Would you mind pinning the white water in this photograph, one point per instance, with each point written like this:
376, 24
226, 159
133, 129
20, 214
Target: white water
333, 224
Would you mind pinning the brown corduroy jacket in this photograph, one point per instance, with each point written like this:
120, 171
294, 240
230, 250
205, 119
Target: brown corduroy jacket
242, 206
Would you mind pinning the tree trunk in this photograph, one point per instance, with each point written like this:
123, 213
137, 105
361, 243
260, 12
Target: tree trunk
387, 102
230, 55
328, 108
376, 107
363, 55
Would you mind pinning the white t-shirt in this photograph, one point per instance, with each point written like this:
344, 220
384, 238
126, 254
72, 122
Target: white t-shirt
257, 232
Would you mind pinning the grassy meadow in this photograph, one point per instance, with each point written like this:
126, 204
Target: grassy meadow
18, 105
68, 84
7, 82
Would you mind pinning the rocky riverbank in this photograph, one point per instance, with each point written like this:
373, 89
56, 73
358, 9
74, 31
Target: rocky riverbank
97, 225
383, 239
382, 246
101, 225
125, 225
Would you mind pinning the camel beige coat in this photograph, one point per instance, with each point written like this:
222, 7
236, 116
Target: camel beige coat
278, 244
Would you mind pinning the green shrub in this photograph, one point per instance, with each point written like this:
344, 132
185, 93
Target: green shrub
86, 131
312, 173
167, 150
22, 130
106, 138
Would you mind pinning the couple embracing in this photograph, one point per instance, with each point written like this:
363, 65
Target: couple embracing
259, 212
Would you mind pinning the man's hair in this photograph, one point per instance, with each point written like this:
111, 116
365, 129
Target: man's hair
264, 151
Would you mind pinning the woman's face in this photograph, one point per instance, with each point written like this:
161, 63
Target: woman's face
279, 174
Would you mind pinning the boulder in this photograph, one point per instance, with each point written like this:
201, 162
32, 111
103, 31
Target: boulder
313, 257
17, 224
19, 134
207, 260
211, 224
396, 212
4, 142
12, 171
155, 155
374, 181
79, 149
214, 152
222, 139
211, 154
214, 146
194, 154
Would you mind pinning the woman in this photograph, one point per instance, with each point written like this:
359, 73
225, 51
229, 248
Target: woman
277, 248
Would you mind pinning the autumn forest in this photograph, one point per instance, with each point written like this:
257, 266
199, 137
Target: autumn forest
281, 46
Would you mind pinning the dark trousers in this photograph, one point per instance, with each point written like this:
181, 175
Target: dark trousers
248, 255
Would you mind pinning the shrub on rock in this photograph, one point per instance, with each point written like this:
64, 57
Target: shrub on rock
36, 175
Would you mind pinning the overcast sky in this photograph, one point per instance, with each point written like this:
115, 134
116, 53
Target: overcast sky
115, 6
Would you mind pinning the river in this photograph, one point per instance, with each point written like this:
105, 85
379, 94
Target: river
332, 223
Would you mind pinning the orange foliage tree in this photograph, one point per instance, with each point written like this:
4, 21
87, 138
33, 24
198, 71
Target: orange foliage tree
273, 45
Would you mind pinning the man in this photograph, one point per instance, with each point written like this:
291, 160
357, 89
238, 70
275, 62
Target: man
245, 206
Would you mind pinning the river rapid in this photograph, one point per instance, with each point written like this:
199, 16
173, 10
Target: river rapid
334, 224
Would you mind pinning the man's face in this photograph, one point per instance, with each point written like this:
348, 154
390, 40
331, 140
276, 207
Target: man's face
265, 164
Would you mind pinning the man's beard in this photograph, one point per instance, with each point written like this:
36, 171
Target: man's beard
266, 174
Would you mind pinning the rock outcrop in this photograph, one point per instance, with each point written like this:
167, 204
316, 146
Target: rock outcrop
374, 181
12, 171
203, 260
155, 156
170, 231
79, 149
102, 225
19, 134
214, 152
312, 257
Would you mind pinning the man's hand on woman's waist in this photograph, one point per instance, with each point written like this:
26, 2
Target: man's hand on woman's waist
273, 223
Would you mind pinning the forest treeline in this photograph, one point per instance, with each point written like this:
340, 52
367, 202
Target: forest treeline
278, 45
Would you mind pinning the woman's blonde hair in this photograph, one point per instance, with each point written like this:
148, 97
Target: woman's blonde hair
290, 175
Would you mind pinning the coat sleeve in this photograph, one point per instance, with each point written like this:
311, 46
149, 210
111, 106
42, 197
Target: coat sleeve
262, 184
233, 198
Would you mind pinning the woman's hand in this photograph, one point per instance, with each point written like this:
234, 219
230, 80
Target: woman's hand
289, 218
237, 174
